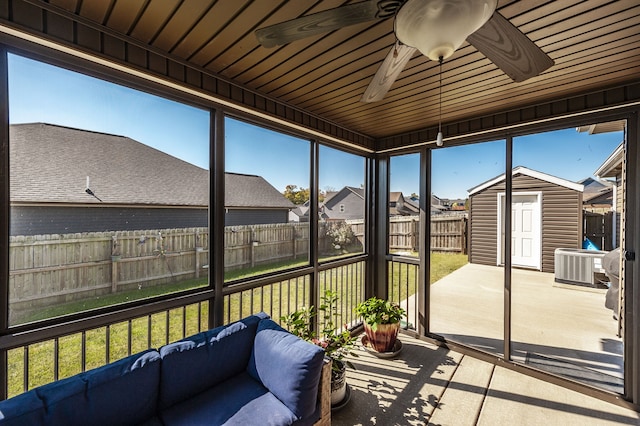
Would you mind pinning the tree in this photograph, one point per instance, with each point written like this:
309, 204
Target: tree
300, 196
295, 195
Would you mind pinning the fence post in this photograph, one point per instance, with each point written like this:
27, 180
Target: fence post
463, 236
115, 258
253, 243
198, 251
293, 240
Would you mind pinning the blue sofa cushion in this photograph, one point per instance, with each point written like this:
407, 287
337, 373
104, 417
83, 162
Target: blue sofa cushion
200, 362
288, 366
122, 392
23, 409
238, 401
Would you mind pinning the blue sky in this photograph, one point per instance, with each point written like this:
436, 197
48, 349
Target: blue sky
566, 154
44, 93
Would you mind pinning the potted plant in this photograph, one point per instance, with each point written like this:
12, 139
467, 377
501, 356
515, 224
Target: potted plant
336, 345
381, 322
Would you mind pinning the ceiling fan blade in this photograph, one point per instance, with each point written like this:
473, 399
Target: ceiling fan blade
325, 21
510, 49
395, 61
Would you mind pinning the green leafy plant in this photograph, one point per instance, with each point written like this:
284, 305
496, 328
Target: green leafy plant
376, 311
336, 345
341, 234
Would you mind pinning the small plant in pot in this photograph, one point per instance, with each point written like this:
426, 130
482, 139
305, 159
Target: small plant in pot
336, 345
381, 320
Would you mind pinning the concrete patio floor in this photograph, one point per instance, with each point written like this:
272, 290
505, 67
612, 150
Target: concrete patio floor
426, 384
566, 326
562, 328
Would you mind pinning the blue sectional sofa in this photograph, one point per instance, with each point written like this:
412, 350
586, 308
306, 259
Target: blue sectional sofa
251, 372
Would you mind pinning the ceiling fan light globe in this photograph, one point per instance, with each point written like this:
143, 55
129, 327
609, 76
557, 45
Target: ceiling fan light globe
438, 27
443, 50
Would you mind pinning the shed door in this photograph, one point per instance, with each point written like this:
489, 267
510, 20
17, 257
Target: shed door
525, 230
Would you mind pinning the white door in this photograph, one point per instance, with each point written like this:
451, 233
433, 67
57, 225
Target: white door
525, 230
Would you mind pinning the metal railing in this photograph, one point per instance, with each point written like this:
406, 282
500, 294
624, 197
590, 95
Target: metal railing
47, 356
403, 286
42, 362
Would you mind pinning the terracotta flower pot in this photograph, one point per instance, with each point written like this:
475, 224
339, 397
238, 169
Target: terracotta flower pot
384, 338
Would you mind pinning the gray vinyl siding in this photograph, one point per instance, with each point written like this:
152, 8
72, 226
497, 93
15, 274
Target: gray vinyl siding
353, 207
483, 223
619, 209
235, 217
561, 224
36, 220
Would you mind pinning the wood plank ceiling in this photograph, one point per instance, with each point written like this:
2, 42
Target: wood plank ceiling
595, 44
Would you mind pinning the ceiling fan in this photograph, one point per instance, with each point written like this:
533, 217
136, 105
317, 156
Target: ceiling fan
434, 27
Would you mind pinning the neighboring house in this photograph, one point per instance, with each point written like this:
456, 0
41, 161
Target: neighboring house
546, 215
445, 205
438, 205
598, 195
300, 213
135, 186
611, 168
458, 204
346, 204
251, 200
401, 206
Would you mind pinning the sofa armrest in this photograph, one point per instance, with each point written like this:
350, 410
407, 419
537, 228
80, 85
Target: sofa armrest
324, 395
287, 366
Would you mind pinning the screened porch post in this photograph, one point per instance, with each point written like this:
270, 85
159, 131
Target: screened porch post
216, 218
4, 215
377, 283
631, 315
424, 282
506, 243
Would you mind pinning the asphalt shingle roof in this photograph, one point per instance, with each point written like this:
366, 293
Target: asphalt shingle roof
251, 191
50, 164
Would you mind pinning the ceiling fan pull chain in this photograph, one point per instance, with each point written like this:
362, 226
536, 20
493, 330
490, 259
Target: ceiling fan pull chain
439, 140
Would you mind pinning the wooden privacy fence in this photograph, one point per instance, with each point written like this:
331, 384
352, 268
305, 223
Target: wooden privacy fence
448, 233
248, 246
599, 228
46, 270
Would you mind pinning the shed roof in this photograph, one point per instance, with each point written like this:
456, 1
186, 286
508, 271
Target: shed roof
532, 173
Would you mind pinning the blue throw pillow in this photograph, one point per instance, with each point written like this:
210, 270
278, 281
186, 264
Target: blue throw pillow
200, 362
288, 366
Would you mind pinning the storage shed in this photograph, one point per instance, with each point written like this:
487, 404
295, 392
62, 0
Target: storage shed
546, 215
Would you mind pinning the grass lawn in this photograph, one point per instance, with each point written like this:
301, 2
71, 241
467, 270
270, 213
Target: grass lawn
403, 277
110, 299
442, 264
161, 328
